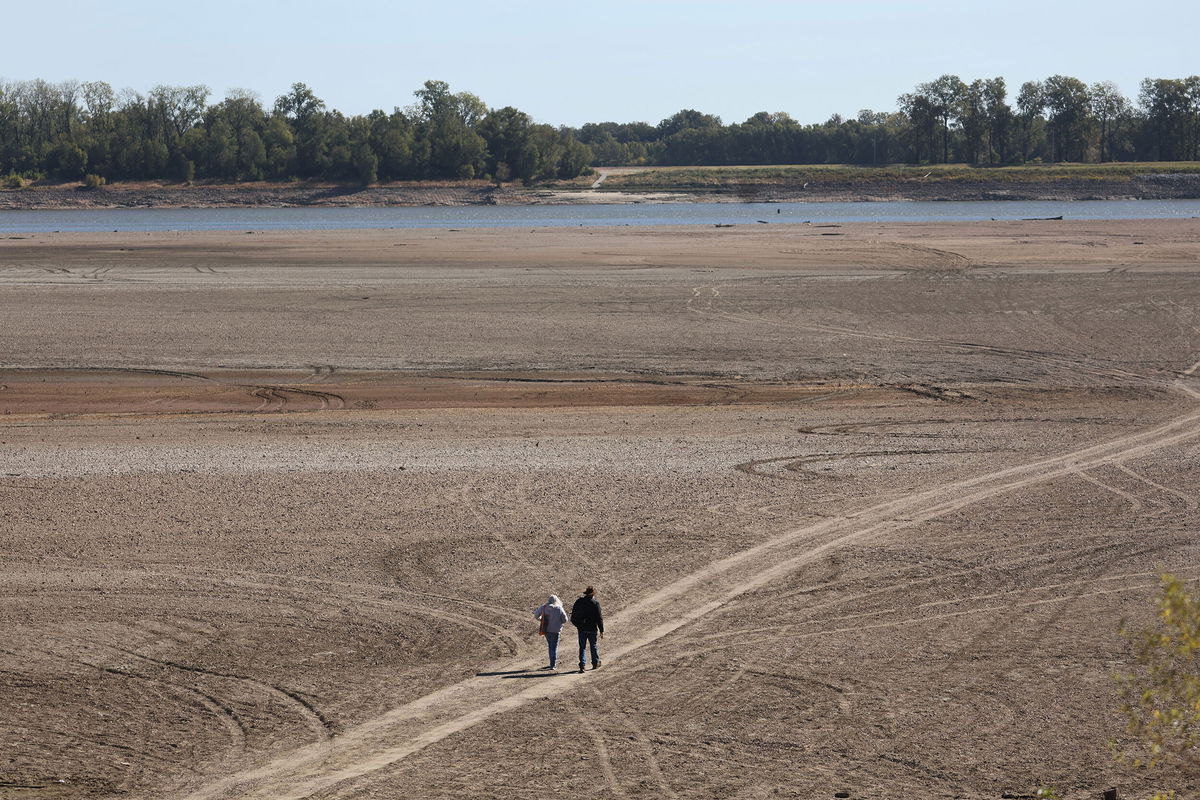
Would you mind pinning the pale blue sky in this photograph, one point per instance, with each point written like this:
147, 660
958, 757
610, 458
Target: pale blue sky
568, 62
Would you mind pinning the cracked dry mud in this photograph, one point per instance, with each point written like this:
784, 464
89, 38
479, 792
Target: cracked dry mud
864, 511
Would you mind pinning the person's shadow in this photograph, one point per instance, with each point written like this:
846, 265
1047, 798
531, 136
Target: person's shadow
520, 673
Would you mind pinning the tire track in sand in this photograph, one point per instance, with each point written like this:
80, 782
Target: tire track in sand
943, 616
410, 728
611, 782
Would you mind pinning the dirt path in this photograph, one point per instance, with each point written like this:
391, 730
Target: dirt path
410, 728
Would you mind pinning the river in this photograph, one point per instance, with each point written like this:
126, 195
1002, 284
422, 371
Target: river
559, 216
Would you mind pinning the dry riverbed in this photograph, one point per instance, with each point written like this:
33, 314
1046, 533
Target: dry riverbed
864, 506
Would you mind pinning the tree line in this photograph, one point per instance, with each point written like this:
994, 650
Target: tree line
70, 130
946, 120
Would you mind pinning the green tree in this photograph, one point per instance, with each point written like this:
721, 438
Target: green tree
311, 127
171, 112
1031, 101
617, 143
9, 130
575, 156
436, 101
99, 102
1000, 120
1111, 110
132, 129
686, 119
447, 141
608, 152
945, 99
66, 160
246, 118
1169, 108
973, 118
1068, 102
280, 144
509, 137
299, 103
366, 163
921, 130
706, 145
180, 106
549, 149
879, 131
343, 137
232, 146
217, 156
45, 110
1160, 699
392, 142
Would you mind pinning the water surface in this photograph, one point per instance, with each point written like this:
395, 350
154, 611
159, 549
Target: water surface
589, 215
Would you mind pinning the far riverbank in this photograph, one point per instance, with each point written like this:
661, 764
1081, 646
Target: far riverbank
650, 186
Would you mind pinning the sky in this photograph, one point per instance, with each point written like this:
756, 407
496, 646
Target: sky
567, 63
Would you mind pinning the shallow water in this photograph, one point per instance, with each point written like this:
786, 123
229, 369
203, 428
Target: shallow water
560, 216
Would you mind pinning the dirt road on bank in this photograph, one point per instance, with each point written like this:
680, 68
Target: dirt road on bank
864, 510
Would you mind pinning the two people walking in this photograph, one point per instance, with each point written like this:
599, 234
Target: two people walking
585, 615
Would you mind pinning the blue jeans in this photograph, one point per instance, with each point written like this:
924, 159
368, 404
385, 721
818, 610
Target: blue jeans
552, 643
588, 638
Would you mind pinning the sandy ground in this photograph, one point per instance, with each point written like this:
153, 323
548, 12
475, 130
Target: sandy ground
864, 505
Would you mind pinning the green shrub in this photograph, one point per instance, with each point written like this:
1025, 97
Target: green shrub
92, 181
1160, 698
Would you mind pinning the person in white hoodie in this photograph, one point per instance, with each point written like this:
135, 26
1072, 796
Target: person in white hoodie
551, 616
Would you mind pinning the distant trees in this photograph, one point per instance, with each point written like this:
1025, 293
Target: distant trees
614, 143
1172, 115
945, 120
1058, 119
952, 120
72, 129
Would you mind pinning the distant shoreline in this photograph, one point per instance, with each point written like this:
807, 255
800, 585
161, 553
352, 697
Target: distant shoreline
466, 193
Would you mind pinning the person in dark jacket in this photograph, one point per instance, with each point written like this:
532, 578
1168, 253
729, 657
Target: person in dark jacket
587, 617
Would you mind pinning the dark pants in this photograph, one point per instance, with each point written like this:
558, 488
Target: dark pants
588, 638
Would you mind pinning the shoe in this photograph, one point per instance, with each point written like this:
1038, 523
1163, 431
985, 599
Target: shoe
596, 664
549, 667
581, 666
